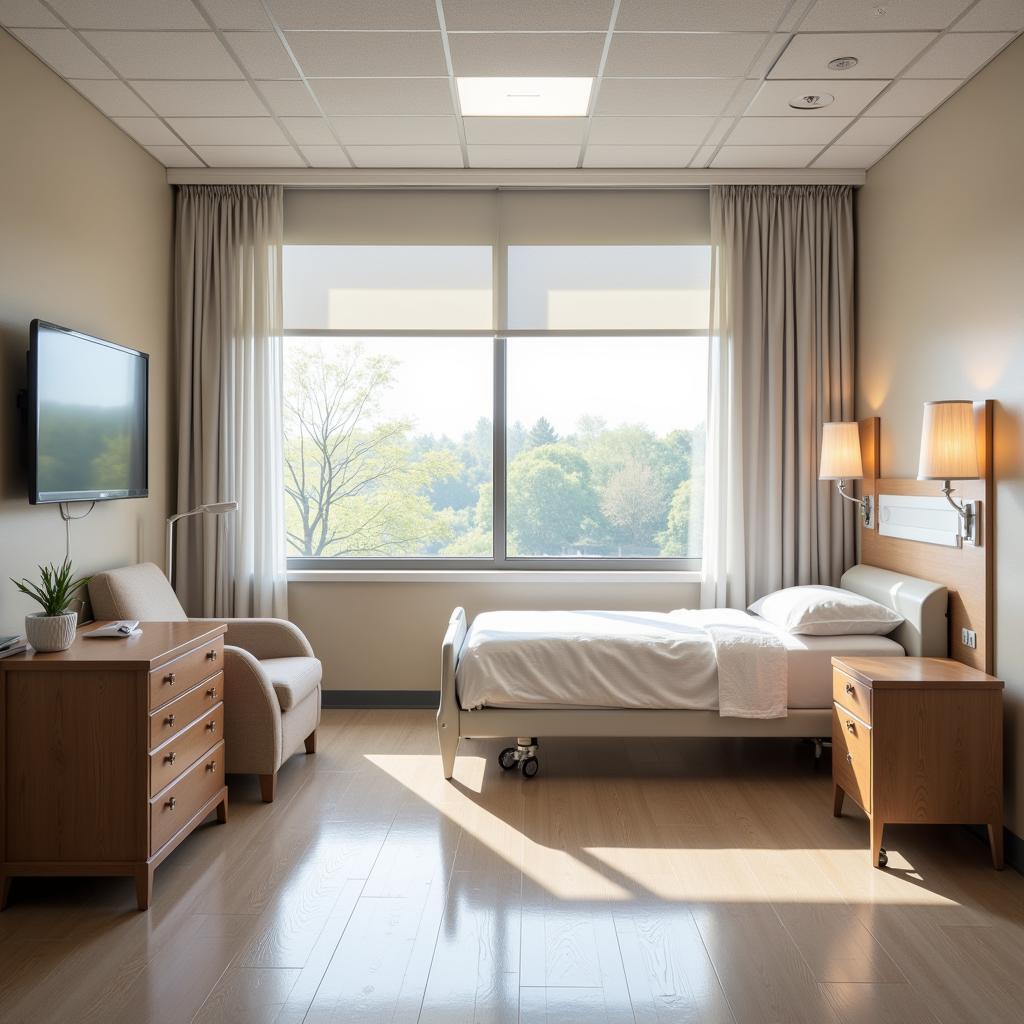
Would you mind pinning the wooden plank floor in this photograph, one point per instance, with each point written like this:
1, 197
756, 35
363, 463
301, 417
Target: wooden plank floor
667, 881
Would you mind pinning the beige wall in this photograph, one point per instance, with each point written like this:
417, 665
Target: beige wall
85, 241
941, 315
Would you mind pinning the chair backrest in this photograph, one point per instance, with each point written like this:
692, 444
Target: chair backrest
135, 592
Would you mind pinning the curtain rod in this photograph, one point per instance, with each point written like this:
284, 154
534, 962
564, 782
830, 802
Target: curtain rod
470, 178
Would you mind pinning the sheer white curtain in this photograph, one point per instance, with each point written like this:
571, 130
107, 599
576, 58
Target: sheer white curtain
228, 249
782, 353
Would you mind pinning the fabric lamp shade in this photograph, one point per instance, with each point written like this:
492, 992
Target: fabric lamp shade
840, 452
949, 449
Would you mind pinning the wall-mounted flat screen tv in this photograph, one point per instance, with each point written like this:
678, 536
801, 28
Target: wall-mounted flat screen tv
88, 417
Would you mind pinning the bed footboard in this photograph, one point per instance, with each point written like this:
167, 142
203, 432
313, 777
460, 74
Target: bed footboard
448, 711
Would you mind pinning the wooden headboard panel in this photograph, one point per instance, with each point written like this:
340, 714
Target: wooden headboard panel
966, 572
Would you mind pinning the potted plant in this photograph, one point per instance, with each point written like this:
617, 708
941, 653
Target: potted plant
52, 629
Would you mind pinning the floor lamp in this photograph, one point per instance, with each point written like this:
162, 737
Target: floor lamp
217, 508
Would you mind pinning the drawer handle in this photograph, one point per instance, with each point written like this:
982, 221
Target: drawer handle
211, 726
211, 766
171, 758
850, 690
170, 678
850, 727
849, 757
211, 655
169, 720
212, 692
171, 804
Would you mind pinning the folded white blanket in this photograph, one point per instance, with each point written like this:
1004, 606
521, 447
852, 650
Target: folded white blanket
752, 680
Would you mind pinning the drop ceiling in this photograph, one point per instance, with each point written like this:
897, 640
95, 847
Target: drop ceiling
371, 83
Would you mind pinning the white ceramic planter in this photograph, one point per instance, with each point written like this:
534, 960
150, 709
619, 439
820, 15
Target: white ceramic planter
50, 632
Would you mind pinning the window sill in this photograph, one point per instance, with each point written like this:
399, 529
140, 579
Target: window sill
674, 577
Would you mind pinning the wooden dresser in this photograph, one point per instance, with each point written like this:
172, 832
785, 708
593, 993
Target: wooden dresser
920, 741
112, 752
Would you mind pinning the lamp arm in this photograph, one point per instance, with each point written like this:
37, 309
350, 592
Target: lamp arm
169, 544
866, 504
965, 512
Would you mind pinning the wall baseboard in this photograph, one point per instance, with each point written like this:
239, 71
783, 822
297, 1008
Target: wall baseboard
380, 699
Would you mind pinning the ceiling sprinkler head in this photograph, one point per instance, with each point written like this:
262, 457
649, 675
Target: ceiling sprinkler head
842, 64
812, 102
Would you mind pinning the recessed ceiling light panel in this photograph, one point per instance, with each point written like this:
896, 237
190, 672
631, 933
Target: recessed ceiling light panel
524, 97
812, 101
842, 64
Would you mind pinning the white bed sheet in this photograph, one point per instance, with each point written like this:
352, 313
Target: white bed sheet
625, 659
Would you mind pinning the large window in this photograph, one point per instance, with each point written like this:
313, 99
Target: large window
464, 406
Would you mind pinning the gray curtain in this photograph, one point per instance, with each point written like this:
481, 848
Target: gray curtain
782, 352
228, 248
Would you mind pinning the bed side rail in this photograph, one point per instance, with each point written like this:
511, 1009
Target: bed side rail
448, 708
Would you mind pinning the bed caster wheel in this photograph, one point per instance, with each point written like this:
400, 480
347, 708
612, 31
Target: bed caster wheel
507, 758
530, 767
883, 858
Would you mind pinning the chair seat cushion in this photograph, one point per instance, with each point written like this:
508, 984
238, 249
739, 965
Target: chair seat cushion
293, 679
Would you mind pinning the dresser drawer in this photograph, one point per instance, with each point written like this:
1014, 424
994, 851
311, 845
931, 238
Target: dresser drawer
178, 676
172, 810
851, 756
853, 696
173, 717
182, 751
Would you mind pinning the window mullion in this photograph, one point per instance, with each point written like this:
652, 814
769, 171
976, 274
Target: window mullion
498, 475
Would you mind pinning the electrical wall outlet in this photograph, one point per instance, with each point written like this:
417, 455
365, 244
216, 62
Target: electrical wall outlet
969, 638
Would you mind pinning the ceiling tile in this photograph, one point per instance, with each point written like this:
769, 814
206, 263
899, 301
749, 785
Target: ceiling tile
165, 54
374, 54
147, 131
309, 131
523, 156
325, 156
538, 131
861, 15
993, 16
700, 15
262, 54
878, 131
851, 97
175, 156
879, 54
64, 52
288, 98
355, 14
199, 99
861, 157
244, 15
959, 55
406, 156
664, 95
228, 131
703, 156
383, 95
114, 98
650, 131
681, 54
786, 131
793, 17
913, 97
396, 130
137, 14
638, 156
527, 15
722, 128
250, 156
494, 54
26, 14
765, 156
743, 97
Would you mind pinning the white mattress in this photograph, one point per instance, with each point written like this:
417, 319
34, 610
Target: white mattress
623, 659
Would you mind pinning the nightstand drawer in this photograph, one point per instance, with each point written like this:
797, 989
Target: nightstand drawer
178, 676
851, 755
181, 752
173, 717
175, 807
853, 696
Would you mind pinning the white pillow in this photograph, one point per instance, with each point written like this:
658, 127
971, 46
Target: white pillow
826, 611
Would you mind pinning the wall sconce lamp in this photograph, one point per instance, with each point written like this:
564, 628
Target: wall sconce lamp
216, 508
841, 461
949, 451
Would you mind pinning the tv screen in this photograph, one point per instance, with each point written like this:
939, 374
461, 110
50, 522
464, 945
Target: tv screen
88, 422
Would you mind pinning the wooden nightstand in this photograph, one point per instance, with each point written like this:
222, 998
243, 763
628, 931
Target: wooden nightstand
918, 741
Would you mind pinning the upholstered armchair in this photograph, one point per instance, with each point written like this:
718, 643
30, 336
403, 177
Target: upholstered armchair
271, 677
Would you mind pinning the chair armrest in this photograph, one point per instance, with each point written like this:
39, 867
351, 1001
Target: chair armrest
252, 715
266, 638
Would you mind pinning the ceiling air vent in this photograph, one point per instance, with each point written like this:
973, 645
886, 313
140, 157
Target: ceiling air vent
812, 102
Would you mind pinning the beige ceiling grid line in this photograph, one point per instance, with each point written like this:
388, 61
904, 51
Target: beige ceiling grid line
596, 88
460, 124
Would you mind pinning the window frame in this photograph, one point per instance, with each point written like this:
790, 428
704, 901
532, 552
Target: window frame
498, 561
